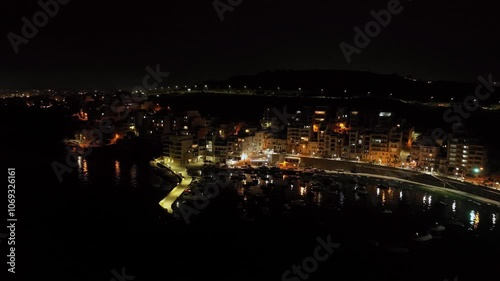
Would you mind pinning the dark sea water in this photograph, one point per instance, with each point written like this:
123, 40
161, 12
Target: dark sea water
105, 216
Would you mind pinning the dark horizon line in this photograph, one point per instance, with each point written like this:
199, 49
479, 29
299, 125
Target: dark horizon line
213, 80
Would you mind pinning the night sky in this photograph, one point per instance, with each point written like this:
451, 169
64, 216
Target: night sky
107, 44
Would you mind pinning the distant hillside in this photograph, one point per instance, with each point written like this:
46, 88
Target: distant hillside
334, 82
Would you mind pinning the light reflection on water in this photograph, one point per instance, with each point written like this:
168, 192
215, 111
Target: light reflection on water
318, 198
474, 220
493, 221
106, 171
302, 191
117, 171
133, 175
83, 172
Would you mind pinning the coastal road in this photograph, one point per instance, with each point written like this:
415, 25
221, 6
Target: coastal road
475, 197
167, 202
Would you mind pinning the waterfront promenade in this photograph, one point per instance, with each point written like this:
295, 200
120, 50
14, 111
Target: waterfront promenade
167, 202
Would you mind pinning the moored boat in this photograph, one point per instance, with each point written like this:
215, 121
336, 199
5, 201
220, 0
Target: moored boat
421, 238
437, 230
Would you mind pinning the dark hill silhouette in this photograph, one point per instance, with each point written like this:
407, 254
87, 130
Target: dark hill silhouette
357, 83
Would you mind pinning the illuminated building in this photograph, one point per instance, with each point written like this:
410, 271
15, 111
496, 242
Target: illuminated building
466, 153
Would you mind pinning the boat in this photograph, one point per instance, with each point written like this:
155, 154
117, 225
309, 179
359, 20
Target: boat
437, 230
393, 183
442, 203
422, 238
317, 187
334, 187
455, 223
383, 186
361, 190
298, 203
